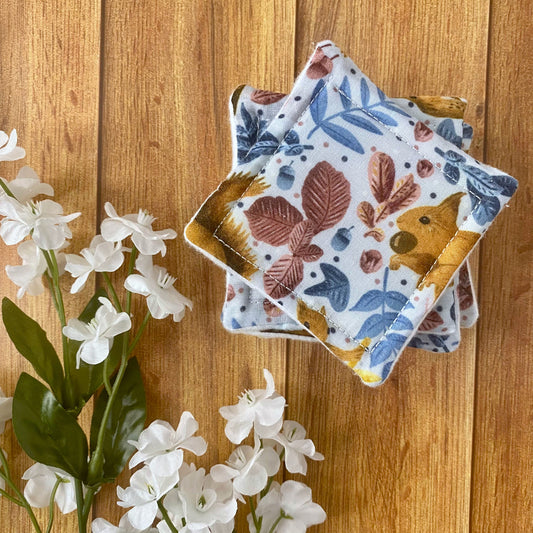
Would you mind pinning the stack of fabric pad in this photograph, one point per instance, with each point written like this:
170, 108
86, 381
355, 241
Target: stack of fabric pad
348, 217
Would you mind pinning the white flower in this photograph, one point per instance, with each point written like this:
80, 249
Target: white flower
97, 336
41, 482
100, 525
156, 284
139, 226
293, 502
297, 447
27, 185
258, 408
6, 409
44, 220
161, 446
249, 468
101, 256
204, 504
9, 151
142, 495
28, 276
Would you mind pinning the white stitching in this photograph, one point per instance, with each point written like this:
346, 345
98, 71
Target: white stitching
328, 319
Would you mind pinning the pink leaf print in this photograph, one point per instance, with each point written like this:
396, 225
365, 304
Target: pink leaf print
321, 65
376, 233
272, 219
432, 321
365, 212
283, 276
262, 97
325, 196
464, 289
311, 253
424, 168
381, 175
230, 293
422, 132
405, 192
271, 309
370, 261
301, 236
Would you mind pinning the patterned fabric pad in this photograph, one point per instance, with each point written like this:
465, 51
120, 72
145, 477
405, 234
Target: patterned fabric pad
415, 205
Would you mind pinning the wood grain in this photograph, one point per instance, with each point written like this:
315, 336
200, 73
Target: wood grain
503, 439
401, 453
49, 91
129, 105
169, 67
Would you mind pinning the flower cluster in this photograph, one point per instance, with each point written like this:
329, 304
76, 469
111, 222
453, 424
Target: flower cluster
70, 468
188, 499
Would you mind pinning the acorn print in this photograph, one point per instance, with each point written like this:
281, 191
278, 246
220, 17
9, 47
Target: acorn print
341, 239
286, 177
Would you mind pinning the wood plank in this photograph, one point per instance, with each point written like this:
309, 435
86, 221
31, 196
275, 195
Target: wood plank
503, 444
49, 91
169, 68
398, 457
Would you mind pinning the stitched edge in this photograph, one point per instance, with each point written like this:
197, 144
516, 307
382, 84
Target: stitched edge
250, 300
328, 319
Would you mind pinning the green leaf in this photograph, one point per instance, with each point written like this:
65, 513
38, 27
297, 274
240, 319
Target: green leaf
88, 379
31, 341
46, 432
125, 421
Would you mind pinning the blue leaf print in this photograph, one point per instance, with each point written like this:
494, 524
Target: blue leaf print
249, 123
451, 173
370, 301
235, 324
342, 136
386, 371
396, 340
384, 118
392, 107
319, 102
439, 341
507, 183
395, 300
345, 93
416, 342
482, 181
401, 322
361, 122
381, 95
365, 93
452, 312
446, 130
390, 345
486, 210
451, 156
380, 353
292, 138
371, 327
468, 131
335, 287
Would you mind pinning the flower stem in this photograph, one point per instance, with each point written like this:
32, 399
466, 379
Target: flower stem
139, 332
88, 502
166, 518
281, 516
51, 506
112, 290
254, 516
6, 189
82, 521
21, 499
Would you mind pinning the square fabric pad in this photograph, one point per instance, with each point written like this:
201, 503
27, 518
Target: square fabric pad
359, 152
246, 311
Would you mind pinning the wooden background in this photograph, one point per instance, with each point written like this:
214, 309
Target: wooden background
126, 101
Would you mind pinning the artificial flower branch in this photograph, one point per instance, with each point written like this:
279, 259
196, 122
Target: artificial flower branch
166, 494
